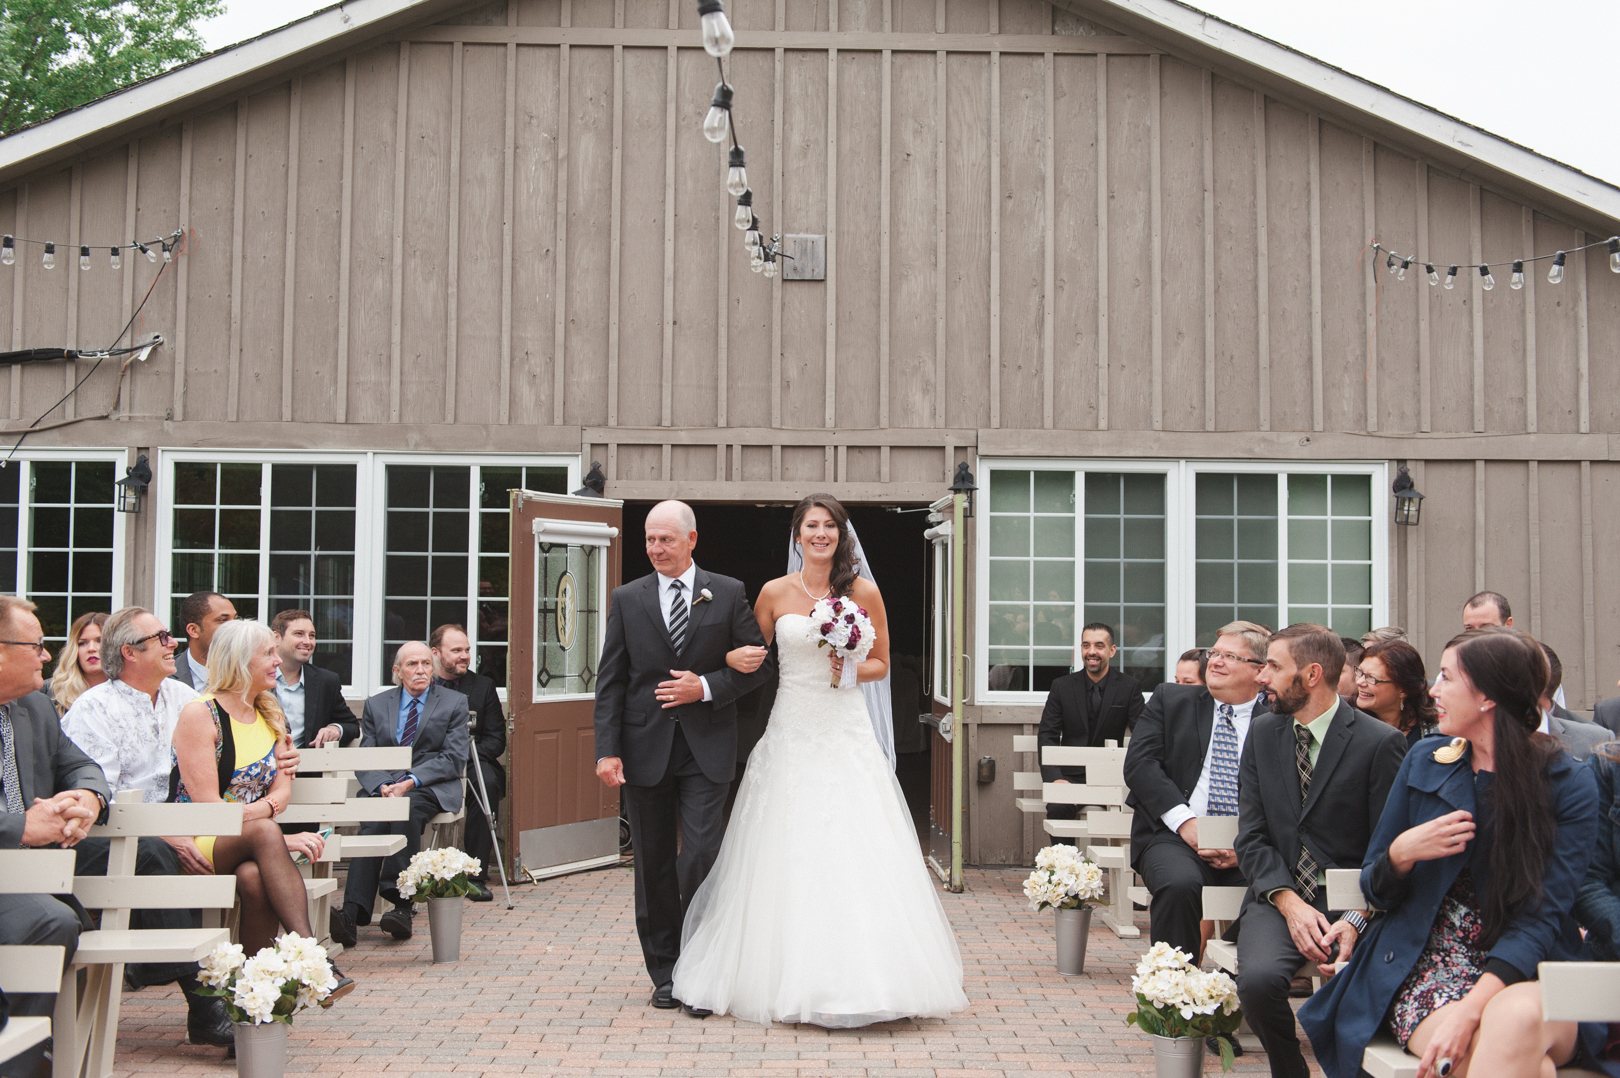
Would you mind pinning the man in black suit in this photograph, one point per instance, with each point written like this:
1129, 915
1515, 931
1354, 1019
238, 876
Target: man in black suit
201, 615
1316, 773
311, 698
452, 659
1578, 736
668, 735
1088, 707
1183, 763
433, 722
1607, 715
50, 794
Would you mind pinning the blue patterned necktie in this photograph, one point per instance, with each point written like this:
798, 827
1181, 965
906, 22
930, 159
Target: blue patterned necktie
1223, 765
8, 763
410, 723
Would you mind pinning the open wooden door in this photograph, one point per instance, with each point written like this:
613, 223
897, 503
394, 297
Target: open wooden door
565, 564
944, 794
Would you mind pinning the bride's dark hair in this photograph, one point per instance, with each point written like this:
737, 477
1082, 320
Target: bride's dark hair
844, 566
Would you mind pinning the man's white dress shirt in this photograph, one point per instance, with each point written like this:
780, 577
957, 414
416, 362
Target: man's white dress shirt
1198, 804
666, 589
291, 697
199, 672
131, 737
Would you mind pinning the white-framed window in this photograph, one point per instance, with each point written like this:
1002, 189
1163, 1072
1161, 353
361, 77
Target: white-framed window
940, 538
1164, 553
61, 537
379, 547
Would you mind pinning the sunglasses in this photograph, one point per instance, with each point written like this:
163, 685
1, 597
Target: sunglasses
161, 636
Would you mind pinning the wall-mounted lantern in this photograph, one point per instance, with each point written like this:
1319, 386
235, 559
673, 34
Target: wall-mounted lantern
963, 484
132, 488
1408, 500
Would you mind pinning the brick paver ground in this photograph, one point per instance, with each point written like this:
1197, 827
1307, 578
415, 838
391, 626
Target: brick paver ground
556, 987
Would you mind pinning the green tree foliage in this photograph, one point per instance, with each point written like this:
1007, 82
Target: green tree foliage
58, 54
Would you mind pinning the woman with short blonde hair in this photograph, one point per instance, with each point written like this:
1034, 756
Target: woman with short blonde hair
78, 666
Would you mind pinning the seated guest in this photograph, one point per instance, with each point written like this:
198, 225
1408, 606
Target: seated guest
1183, 763
225, 749
1347, 678
78, 667
452, 659
201, 615
126, 724
1392, 686
1093, 705
1597, 904
1383, 636
1315, 775
1606, 713
1578, 736
50, 794
310, 697
1190, 667
432, 720
1474, 868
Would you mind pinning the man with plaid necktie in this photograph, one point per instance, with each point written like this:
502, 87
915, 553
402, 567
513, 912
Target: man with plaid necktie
432, 720
1315, 776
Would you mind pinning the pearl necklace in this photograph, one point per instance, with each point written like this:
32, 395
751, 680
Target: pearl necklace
816, 598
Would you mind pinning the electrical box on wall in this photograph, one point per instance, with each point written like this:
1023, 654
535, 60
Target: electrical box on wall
809, 261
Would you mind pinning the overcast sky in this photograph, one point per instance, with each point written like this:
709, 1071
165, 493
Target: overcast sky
1543, 81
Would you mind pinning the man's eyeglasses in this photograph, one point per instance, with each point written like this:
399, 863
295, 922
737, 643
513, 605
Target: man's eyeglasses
38, 646
1227, 656
161, 636
1364, 678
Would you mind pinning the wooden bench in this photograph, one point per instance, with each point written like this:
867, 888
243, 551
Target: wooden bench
1105, 833
85, 1025
26, 968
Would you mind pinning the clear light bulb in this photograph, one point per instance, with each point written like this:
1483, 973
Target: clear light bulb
168, 255
1486, 281
49, 258
1517, 280
717, 36
1451, 278
8, 251
151, 255
1556, 274
737, 172
1614, 254
717, 124
1400, 273
114, 258
770, 267
757, 259
1434, 278
84, 258
745, 211
752, 238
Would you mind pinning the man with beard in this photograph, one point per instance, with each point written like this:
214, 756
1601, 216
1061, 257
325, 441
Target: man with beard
452, 661
1315, 776
1088, 707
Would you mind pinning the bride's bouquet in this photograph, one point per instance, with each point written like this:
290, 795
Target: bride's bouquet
839, 624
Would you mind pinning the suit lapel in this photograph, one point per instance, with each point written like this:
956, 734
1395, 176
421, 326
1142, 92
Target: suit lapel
1333, 746
22, 747
389, 734
650, 600
1206, 723
697, 611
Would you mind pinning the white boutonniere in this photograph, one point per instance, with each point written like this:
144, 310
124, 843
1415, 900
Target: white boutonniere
704, 596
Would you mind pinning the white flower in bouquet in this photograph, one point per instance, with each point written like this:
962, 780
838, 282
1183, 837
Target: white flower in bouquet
257, 997
223, 962
838, 623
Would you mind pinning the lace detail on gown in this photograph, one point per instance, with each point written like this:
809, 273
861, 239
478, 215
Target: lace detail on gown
819, 908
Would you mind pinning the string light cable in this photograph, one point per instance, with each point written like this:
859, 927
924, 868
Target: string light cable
159, 248
1398, 264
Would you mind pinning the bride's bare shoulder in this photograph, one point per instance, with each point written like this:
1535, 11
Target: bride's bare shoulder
864, 591
772, 590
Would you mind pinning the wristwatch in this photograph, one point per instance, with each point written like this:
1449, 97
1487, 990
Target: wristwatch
1356, 919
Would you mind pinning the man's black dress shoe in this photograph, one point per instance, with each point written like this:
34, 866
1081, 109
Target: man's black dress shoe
397, 922
1214, 1045
663, 997
480, 893
345, 985
697, 1012
341, 928
207, 1022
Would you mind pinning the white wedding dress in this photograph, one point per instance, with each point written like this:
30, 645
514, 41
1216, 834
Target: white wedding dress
819, 908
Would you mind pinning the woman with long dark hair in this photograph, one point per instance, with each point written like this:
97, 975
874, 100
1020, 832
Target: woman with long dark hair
818, 908
1474, 868
1392, 685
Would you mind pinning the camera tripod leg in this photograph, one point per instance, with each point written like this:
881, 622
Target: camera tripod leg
489, 818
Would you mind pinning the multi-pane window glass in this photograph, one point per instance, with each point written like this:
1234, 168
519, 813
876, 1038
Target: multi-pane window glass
10, 480
216, 536
1235, 553
1032, 578
312, 530
494, 542
570, 603
425, 573
1330, 556
70, 542
1125, 567
944, 664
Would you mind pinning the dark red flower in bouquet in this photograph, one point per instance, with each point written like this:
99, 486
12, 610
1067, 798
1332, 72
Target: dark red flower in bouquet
826, 628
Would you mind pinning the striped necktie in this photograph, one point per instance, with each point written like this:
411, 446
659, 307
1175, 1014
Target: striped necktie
1305, 867
677, 615
8, 763
411, 714
1223, 764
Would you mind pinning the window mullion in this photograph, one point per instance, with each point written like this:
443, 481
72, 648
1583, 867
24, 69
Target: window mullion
25, 518
264, 542
475, 511
1079, 561
1283, 614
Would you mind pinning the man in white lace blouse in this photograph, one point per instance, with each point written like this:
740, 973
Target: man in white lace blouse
126, 723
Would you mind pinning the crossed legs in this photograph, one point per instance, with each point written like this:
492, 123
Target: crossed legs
268, 884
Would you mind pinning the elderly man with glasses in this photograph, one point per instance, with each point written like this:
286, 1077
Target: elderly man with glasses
1183, 762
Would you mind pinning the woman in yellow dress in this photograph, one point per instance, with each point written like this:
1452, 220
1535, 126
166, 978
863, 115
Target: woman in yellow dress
225, 750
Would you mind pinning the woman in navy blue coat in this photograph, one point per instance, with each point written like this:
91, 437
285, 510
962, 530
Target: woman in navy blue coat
1474, 868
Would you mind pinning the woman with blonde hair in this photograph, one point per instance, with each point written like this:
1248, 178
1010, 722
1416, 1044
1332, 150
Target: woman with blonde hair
225, 746
78, 667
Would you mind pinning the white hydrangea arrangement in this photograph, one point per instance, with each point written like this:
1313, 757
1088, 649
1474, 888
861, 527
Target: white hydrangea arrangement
441, 873
1064, 880
274, 984
1174, 998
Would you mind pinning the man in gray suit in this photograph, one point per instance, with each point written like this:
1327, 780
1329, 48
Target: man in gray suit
1578, 736
50, 794
666, 725
432, 720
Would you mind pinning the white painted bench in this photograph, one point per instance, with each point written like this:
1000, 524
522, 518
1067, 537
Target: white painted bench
1105, 833
25, 968
85, 1026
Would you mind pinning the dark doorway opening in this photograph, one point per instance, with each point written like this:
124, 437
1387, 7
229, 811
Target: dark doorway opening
750, 542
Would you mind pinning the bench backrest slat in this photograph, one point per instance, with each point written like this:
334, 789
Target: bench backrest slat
319, 791
368, 758
1075, 793
1223, 903
1025, 743
155, 892
31, 968
36, 872
1344, 889
353, 810
125, 820
1217, 832
1104, 767
1580, 991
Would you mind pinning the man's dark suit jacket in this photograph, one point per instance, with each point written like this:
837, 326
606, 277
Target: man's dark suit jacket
1354, 771
1166, 756
1607, 713
182, 668
638, 653
47, 763
439, 753
489, 722
324, 705
1578, 736
1066, 719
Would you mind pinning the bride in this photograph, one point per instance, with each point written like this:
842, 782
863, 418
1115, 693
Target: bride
818, 908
